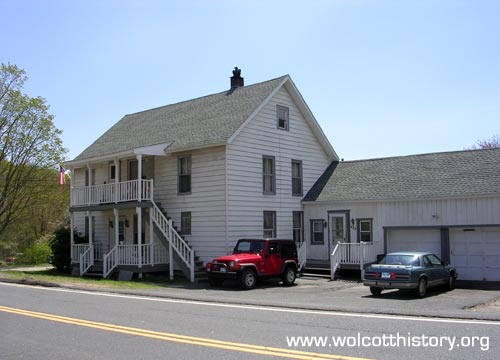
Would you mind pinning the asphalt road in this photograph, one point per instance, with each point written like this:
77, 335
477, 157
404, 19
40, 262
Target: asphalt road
54, 323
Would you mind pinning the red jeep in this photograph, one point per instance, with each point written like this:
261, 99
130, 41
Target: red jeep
254, 259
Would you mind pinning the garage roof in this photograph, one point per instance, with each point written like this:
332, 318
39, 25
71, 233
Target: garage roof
448, 174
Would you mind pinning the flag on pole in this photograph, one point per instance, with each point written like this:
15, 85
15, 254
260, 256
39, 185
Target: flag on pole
62, 177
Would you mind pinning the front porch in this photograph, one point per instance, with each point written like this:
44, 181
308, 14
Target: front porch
135, 258
345, 256
352, 256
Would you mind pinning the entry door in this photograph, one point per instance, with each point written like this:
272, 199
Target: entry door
338, 231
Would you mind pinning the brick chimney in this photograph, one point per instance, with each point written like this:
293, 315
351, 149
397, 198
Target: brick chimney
236, 79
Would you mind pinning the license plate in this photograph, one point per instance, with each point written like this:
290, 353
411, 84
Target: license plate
223, 269
386, 275
383, 283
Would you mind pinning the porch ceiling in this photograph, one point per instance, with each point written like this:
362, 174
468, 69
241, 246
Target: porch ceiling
107, 207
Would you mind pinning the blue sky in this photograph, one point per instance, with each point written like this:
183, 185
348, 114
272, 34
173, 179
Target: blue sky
383, 78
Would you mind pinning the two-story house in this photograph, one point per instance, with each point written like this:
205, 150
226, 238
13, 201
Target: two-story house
182, 183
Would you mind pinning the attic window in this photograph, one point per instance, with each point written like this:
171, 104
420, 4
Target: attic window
282, 115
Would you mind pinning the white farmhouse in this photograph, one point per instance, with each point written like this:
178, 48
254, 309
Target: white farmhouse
181, 183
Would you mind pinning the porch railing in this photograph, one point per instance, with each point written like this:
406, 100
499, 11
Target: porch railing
129, 255
78, 250
352, 254
112, 193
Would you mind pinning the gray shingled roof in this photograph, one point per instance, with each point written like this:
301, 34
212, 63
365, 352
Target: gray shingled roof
450, 174
204, 121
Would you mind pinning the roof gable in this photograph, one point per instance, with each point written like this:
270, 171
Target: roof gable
437, 175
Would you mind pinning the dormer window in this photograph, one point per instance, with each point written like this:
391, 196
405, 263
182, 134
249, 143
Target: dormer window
282, 115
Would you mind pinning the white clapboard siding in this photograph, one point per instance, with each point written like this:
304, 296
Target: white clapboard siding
207, 202
437, 213
246, 202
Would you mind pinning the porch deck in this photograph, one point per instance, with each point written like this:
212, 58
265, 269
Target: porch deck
352, 256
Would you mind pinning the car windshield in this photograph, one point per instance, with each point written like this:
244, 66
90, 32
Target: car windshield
249, 246
400, 260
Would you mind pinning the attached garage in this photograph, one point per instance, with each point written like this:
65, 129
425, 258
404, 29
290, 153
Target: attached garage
475, 252
426, 240
443, 203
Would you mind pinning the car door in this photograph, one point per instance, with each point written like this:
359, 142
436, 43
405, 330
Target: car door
437, 272
273, 259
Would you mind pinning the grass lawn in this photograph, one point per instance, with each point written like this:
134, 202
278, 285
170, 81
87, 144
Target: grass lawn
52, 276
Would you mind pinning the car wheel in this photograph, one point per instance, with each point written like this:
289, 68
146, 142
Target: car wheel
375, 291
451, 282
289, 276
215, 282
248, 279
422, 287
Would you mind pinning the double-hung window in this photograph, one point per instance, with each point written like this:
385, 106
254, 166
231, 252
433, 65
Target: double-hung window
297, 178
317, 232
298, 226
268, 175
282, 117
269, 224
186, 223
184, 174
365, 233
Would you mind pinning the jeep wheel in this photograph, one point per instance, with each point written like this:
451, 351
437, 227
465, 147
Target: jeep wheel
214, 282
248, 279
289, 276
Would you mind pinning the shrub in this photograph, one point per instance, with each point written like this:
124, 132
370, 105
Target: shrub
61, 248
38, 253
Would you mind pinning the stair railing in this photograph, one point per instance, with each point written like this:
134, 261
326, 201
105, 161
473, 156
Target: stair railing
335, 259
302, 255
176, 242
110, 262
86, 260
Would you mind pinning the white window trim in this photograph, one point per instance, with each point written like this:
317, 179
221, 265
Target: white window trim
280, 108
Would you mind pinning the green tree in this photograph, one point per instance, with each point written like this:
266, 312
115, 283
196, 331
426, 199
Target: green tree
29, 142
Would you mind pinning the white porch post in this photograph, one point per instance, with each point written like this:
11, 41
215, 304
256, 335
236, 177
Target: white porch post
117, 179
116, 212
71, 186
71, 235
91, 236
170, 253
139, 236
89, 188
151, 236
139, 177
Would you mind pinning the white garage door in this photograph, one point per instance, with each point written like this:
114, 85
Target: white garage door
476, 254
428, 240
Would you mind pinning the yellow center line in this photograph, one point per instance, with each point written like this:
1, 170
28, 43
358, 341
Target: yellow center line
219, 344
